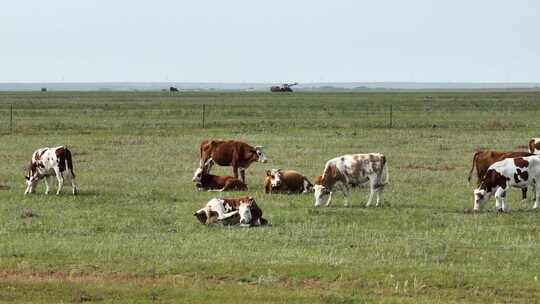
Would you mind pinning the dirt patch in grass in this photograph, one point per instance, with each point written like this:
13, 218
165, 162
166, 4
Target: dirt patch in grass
523, 147
4, 187
429, 168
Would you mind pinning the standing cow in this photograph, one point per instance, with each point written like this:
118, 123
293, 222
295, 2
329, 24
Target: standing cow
483, 159
236, 154
49, 162
286, 181
340, 172
517, 172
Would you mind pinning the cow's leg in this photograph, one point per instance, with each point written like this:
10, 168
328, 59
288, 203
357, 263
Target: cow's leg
47, 180
345, 189
71, 179
500, 203
60, 178
243, 175
524, 194
329, 199
372, 189
379, 196
536, 195
235, 171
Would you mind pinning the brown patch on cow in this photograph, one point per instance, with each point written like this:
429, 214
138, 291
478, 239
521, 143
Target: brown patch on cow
39, 155
524, 175
493, 179
430, 168
520, 162
202, 216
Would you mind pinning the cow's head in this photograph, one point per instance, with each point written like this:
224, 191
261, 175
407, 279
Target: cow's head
480, 197
276, 177
203, 169
33, 176
322, 194
250, 213
261, 156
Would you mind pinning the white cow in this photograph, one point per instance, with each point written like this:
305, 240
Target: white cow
519, 172
340, 172
49, 162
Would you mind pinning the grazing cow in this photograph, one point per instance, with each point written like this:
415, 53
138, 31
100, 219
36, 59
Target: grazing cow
49, 162
233, 153
483, 159
205, 181
340, 172
517, 172
534, 145
286, 181
225, 209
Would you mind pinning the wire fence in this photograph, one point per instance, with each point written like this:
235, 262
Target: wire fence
148, 117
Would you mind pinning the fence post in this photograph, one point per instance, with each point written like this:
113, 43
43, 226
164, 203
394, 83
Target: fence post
11, 119
203, 110
391, 116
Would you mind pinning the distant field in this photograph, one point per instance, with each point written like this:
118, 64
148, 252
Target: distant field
131, 236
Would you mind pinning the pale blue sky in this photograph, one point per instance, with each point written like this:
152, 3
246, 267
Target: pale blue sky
270, 41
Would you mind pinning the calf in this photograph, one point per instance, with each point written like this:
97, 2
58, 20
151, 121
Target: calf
517, 172
49, 162
233, 153
220, 209
534, 145
483, 159
340, 172
286, 181
205, 181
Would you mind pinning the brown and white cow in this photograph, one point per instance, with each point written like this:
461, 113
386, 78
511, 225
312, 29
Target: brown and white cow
49, 162
243, 210
340, 172
483, 159
233, 153
534, 145
517, 172
206, 181
286, 181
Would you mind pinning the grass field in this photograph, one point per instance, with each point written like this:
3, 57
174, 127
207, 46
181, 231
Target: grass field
130, 237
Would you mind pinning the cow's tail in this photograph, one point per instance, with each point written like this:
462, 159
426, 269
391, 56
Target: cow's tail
385, 172
69, 162
473, 164
531, 146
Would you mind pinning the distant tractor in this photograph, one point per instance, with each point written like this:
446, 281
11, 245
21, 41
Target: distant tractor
286, 87
173, 89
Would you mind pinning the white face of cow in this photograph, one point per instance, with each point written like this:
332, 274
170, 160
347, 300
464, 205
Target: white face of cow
260, 154
245, 213
197, 176
480, 197
322, 195
276, 178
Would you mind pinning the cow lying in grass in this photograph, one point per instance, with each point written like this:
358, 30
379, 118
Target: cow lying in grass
243, 211
206, 181
519, 172
286, 181
340, 172
49, 162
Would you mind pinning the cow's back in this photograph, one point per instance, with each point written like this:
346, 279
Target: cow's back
484, 159
293, 180
222, 152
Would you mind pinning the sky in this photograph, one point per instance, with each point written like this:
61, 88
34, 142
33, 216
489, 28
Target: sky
270, 41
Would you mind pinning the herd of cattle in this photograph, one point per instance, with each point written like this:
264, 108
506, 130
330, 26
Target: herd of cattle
496, 171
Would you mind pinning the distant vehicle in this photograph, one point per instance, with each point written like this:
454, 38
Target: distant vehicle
43, 89
173, 89
286, 87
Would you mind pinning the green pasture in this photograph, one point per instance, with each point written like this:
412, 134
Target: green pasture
131, 237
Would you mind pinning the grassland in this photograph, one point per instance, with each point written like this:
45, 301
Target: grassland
130, 236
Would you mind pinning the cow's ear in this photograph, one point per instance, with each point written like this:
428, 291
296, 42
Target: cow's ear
268, 173
27, 177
